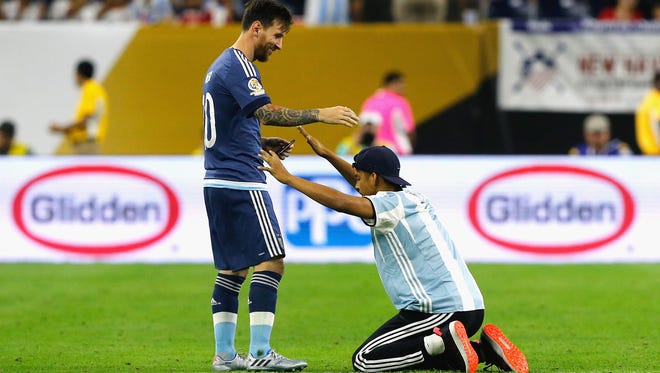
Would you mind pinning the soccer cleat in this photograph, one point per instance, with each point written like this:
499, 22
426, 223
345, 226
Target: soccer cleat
274, 362
460, 354
500, 352
237, 363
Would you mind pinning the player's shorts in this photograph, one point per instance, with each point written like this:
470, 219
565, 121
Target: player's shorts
243, 226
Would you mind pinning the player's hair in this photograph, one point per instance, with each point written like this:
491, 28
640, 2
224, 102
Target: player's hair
392, 76
656, 77
266, 12
85, 68
8, 128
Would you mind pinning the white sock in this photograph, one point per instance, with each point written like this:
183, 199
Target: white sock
434, 344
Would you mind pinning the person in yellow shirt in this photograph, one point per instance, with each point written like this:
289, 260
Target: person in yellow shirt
361, 138
7, 144
647, 120
90, 123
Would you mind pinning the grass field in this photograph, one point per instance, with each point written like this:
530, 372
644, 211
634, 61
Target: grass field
156, 318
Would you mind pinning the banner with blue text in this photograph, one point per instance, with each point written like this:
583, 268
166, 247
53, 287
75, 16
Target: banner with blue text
576, 66
497, 209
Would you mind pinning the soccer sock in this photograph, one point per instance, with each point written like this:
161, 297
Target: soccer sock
476, 345
224, 305
434, 345
262, 301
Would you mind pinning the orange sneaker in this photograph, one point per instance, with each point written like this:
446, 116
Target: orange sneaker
459, 350
499, 351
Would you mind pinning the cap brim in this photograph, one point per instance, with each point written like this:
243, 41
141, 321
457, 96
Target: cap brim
395, 180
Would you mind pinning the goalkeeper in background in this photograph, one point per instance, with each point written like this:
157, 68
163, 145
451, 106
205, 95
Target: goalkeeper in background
440, 305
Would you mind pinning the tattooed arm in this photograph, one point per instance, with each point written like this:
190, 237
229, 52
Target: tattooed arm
274, 115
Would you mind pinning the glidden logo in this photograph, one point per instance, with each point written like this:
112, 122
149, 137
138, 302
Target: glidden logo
95, 209
551, 209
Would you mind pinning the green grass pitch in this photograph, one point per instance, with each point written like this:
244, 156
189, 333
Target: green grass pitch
156, 318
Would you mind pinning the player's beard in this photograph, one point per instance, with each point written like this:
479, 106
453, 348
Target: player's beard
262, 52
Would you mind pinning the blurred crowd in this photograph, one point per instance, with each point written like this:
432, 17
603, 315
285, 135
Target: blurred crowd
322, 12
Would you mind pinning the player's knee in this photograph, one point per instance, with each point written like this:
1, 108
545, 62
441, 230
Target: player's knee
356, 365
274, 265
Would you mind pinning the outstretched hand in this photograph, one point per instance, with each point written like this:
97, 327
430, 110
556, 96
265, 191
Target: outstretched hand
316, 145
339, 115
274, 166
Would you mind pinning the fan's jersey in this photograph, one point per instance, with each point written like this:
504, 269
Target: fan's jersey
232, 135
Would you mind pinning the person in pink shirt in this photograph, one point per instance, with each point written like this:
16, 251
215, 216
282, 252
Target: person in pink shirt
390, 113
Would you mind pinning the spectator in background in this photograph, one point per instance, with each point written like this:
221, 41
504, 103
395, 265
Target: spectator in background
89, 126
514, 9
624, 10
43, 7
153, 11
326, 12
116, 10
389, 111
419, 11
466, 11
655, 11
75, 6
537, 9
190, 11
361, 138
647, 120
7, 144
371, 11
597, 139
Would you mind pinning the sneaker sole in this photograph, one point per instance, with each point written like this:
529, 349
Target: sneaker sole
458, 334
510, 354
276, 369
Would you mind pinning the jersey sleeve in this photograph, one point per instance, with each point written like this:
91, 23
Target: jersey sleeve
388, 210
245, 86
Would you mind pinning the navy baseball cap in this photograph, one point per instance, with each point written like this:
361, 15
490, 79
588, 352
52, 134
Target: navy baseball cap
381, 160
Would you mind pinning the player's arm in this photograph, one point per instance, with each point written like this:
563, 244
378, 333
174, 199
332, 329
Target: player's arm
275, 115
334, 199
65, 128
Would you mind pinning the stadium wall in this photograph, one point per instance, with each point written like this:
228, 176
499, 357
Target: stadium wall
153, 75
497, 209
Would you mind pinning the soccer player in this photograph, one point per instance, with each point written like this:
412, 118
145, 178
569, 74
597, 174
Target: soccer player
244, 230
90, 124
440, 305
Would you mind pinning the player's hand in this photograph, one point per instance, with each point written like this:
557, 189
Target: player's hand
276, 144
54, 127
316, 145
339, 115
275, 166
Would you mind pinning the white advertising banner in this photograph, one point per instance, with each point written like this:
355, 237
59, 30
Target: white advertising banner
497, 209
576, 66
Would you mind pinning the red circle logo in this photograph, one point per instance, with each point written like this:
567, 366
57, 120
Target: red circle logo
518, 222
81, 209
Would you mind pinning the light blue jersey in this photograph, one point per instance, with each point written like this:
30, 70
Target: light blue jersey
417, 261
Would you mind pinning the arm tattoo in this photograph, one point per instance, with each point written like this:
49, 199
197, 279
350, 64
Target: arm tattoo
280, 116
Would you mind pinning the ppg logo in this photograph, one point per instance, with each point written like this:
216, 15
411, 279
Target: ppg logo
310, 224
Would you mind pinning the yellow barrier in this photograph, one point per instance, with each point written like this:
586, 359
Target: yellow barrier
155, 86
